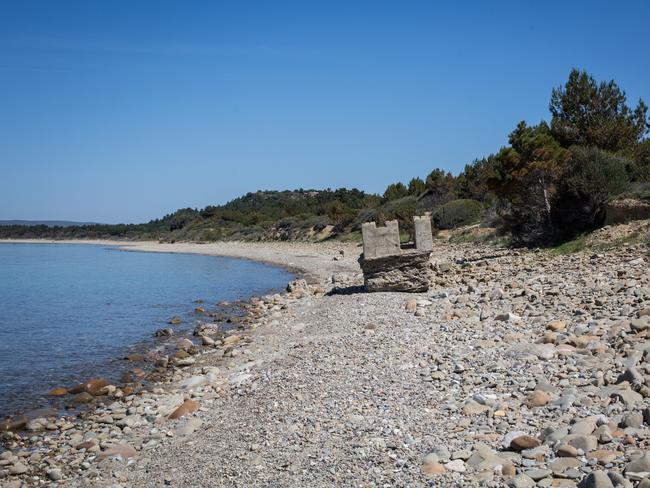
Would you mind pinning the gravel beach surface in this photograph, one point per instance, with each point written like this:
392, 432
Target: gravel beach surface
517, 368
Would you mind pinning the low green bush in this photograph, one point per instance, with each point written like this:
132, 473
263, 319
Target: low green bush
457, 213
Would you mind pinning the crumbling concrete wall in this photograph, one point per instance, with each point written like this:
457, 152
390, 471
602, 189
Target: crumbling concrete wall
386, 267
423, 233
380, 241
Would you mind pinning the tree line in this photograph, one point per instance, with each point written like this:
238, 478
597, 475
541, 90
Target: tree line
552, 181
548, 184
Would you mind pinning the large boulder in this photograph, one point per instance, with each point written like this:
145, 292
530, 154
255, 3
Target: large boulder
625, 210
407, 271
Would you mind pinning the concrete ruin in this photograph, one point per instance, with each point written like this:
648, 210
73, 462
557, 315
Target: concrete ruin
380, 241
388, 267
423, 233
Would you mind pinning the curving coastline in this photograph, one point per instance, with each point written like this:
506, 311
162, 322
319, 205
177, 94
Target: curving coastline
515, 369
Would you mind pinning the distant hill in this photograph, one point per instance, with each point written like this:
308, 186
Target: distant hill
48, 223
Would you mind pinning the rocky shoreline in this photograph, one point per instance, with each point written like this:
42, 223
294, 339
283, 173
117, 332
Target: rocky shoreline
518, 368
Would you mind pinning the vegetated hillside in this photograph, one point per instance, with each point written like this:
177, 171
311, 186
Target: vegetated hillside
552, 182
48, 223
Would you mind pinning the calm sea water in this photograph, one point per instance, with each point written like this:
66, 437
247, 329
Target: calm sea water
68, 311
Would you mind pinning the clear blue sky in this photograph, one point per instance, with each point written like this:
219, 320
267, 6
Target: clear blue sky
124, 111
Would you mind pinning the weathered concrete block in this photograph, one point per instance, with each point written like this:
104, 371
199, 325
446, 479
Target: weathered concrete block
423, 233
406, 271
380, 241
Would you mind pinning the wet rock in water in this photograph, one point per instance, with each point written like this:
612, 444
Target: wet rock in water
166, 332
188, 361
36, 424
58, 391
175, 320
162, 362
408, 271
13, 424
184, 344
181, 354
135, 357
188, 406
199, 310
82, 398
93, 386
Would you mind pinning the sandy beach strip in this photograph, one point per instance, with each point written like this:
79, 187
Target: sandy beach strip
314, 261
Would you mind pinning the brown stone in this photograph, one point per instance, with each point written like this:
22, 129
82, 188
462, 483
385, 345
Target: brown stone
92, 386
538, 398
604, 456
125, 451
184, 344
433, 468
199, 310
556, 325
231, 339
139, 372
508, 470
13, 424
58, 392
550, 338
176, 320
524, 442
474, 408
85, 445
567, 450
411, 305
187, 407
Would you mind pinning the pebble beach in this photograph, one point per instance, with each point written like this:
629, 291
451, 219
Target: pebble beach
517, 368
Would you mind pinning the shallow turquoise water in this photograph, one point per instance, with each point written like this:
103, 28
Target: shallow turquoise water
68, 311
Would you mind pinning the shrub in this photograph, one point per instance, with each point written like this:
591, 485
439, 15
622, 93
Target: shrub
457, 213
401, 210
592, 178
365, 215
